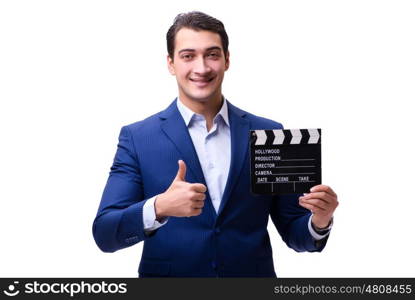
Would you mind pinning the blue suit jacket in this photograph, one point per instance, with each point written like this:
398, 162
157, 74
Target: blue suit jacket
233, 242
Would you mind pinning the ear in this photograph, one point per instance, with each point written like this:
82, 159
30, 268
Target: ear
227, 62
170, 65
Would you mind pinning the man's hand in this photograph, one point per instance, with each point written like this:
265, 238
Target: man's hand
322, 201
181, 199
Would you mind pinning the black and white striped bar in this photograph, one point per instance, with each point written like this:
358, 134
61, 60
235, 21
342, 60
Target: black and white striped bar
285, 161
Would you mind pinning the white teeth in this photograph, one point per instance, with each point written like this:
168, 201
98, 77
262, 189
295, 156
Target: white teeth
201, 80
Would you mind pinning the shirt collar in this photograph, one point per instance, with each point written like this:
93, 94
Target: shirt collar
188, 114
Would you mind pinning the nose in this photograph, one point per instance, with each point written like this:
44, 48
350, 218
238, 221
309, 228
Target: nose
201, 66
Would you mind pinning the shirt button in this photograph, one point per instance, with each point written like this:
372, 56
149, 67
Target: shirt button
211, 166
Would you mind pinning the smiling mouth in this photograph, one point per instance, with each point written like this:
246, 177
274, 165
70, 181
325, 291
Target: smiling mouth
202, 81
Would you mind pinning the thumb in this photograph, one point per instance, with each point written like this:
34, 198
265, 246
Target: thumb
181, 173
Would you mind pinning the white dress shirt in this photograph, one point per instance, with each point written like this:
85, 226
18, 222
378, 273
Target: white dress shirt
213, 149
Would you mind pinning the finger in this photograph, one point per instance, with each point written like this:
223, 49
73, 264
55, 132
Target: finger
311, 207
323, 188
195, 211
324, 196
181, 173
198, 187
316, 203
198, 204
198, 197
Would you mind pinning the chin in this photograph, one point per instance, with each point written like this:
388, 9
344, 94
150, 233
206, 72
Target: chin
201, 97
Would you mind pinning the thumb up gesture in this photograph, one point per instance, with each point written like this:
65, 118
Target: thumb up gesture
181, 199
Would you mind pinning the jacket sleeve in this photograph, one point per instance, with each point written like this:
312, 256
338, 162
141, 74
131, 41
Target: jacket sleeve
119, 221
291, 221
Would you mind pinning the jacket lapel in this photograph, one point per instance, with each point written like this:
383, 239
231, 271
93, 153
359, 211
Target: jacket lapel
239, 147
174, 127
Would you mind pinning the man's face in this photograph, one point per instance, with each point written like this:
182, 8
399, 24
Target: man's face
199, 64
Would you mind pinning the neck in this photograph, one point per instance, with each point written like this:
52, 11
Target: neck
208, 108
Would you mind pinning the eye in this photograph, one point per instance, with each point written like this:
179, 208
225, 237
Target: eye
187, 56
213, 55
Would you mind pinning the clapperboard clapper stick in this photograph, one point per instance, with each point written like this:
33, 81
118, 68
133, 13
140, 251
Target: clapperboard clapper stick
285, 161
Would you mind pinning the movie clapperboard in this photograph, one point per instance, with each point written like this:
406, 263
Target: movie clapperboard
285, 161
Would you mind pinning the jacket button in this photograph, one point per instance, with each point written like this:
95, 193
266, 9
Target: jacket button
217, 230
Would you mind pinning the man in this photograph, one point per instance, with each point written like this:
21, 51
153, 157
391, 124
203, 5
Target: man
180, 178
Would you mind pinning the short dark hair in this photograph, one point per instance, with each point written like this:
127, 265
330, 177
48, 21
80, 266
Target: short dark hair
196, 20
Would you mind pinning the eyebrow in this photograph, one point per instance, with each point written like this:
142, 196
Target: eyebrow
208, 49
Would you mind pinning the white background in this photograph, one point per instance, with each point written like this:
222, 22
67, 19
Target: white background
73, 72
